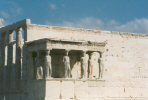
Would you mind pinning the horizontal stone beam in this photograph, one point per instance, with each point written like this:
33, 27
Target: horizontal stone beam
15, 25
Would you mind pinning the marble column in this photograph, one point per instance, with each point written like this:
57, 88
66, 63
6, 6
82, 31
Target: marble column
1, 73
5, 60
66, 62
25, 32
48, 66
10, 59
18, 57
2, 52
101, 65
1, 41
24, 59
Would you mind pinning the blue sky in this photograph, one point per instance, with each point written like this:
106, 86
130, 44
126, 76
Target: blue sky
111, 15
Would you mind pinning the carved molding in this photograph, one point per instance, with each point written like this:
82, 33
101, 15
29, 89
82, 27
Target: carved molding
45, 44
81, 31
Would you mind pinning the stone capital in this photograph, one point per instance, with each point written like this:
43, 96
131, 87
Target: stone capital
18, 29
2, 34
9, 32
38, 53
47, 52
24, 27
48, 49
101, 54
84, 51
67, 52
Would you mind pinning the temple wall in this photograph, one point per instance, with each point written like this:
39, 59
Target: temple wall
125, 60
35, 90
8, 96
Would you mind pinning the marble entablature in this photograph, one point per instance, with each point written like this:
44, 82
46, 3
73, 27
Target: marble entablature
86, 47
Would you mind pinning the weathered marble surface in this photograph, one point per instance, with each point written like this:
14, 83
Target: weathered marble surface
94, 65
125, 60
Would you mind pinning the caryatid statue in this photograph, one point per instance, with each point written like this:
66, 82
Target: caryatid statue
94, 65
38, 67
101, 67
84, 65
48, 67
1, 20
66, 62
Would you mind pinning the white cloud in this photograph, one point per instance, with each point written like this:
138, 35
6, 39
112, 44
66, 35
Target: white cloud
63, 5
4, 14
135, 26
53, 6
112, 23
87, 22
19, 10
5, 23
15, 9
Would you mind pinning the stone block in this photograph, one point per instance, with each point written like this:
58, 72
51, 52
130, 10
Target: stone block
53, 89
114, 84
96, 84
1, 96
112, 92
146, 55
31, 90
143, 41
81, 89
14, 96
40, 90
121, 92
67, 89
127, 92
96, 92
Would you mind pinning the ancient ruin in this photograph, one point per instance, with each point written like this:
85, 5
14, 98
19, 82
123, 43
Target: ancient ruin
50, 62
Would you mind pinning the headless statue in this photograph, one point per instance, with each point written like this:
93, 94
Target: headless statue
48, 70
84, 65
101, 68
66, 61
39, 68
94, 65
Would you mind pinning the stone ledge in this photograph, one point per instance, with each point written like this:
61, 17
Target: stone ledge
123, 99
67, 79
99, 99
12, 91
13, 26
81, 30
